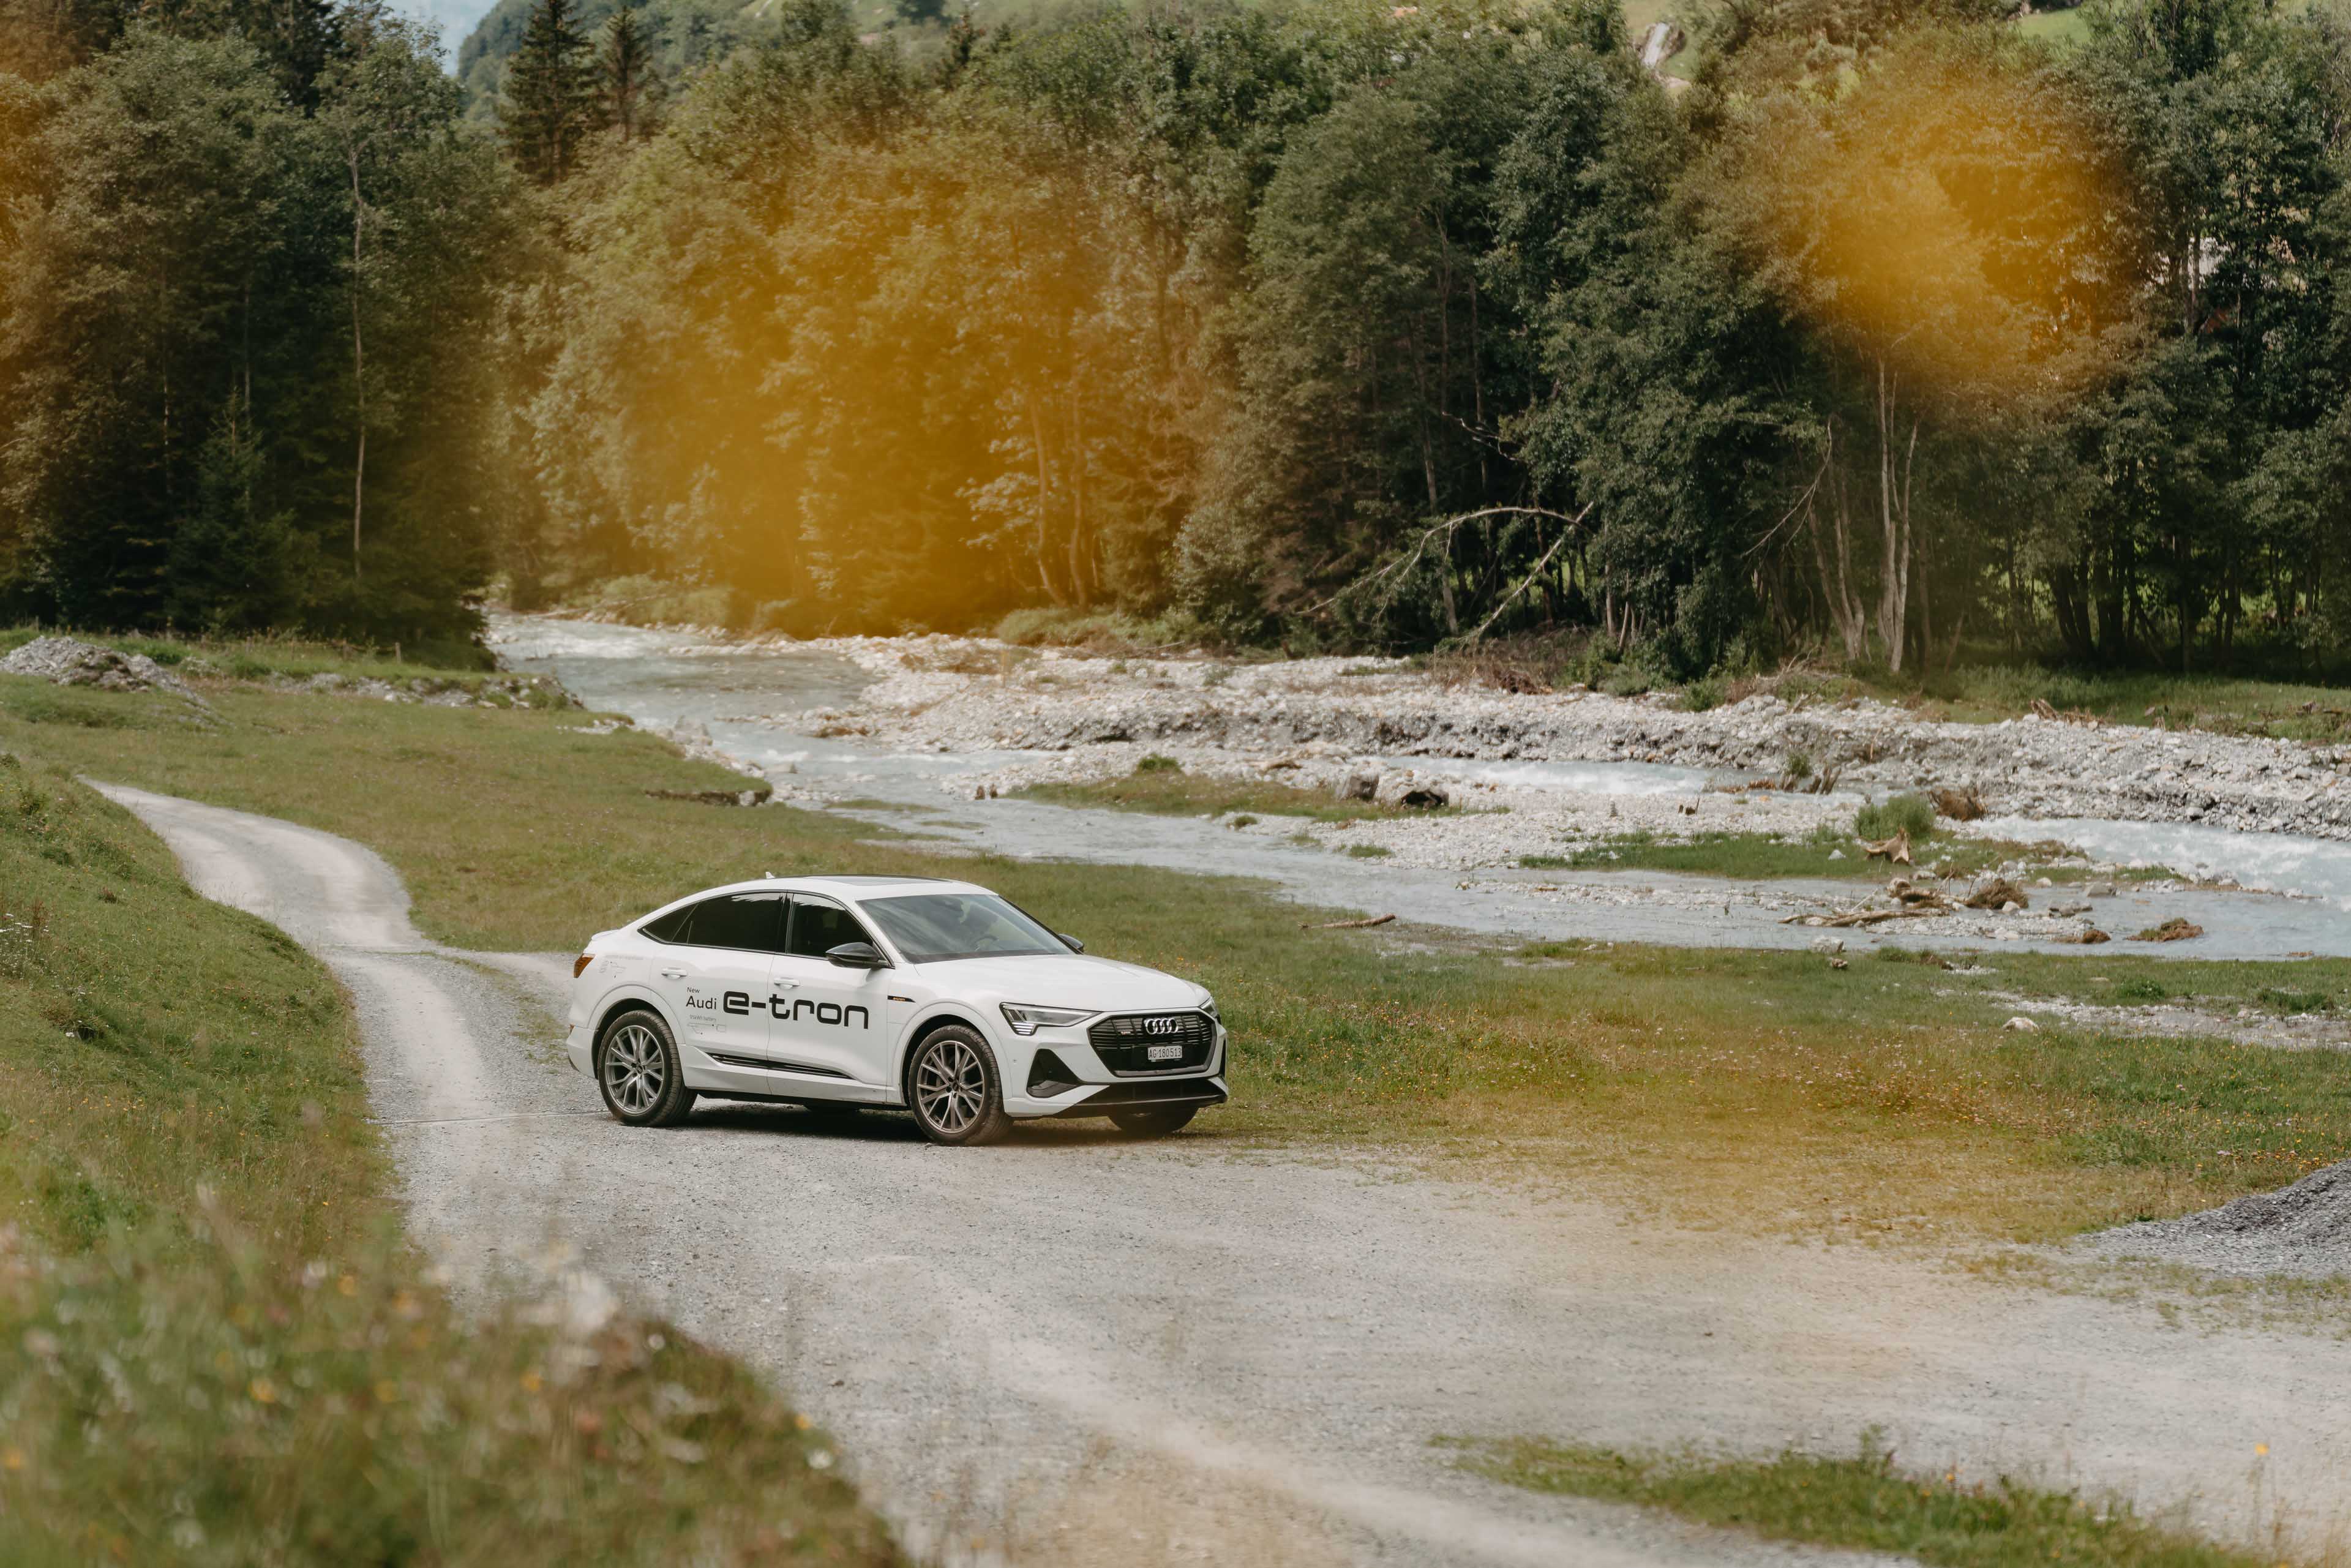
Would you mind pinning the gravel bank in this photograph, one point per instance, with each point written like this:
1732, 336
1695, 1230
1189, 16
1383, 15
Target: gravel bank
965, 695
2303, 1231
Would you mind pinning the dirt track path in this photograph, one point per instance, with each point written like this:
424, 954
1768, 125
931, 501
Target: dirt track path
1072, 1348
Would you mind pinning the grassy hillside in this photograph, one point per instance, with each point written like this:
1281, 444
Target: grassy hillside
215, 1347
1764, 1087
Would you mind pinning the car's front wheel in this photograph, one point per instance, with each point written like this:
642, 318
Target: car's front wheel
952, 1086
1153, 1124
637, 1068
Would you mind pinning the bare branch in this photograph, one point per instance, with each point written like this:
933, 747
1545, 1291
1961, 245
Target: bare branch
1528, 581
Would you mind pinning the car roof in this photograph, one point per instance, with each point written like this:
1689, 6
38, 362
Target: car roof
853, 889
857, 888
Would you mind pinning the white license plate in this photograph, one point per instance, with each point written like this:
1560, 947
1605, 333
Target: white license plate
1164, 1053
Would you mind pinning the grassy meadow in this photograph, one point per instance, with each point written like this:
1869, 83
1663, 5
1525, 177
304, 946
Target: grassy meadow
215, 1347
1759, 1089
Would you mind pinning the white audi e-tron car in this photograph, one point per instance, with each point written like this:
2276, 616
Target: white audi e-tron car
938, 997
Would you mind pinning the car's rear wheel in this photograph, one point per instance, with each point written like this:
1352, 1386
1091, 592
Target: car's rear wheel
1153, 1124
954, 1090
638, 1070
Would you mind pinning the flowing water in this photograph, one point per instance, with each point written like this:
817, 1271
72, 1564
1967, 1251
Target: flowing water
750, 699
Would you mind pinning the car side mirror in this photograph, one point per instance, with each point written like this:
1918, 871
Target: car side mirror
1075, 946
858, 955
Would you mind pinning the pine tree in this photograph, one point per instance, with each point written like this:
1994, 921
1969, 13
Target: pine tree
551, 99
631, 86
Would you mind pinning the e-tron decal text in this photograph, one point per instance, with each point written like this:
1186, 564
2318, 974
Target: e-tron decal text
784, 1009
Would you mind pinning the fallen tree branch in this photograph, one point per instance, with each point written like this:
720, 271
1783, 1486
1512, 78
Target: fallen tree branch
1345, 925
1447, 528
1537, 570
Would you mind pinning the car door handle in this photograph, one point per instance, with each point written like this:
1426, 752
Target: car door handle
673, 974
785, 985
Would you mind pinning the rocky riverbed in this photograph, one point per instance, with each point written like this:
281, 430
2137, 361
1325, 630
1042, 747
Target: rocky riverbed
967, 694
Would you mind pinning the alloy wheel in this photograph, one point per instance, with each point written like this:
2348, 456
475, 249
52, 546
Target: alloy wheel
950, 1086
636, 1069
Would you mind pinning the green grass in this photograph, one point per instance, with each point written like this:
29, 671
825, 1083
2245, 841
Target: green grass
1169, 791
1987, 692
215, 1347
1911, 814
252, 658
1863, 1503
1760, 857
1756, 1084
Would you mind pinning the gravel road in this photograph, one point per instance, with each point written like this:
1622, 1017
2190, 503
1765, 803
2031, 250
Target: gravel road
1076, 1349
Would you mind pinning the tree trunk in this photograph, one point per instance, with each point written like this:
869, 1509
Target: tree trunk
1036, 433
1893, 515
359, 366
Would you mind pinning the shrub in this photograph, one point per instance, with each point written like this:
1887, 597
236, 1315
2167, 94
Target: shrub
1627, 681
2141, 990
1912, 814
1155, 763
1702, 695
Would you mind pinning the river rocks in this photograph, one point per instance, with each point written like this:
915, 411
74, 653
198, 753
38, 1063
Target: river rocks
756, 796
1359, 787
1358, 708
2019, 1024
2179, 928
70, 662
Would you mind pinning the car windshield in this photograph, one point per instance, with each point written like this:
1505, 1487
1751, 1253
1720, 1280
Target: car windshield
937, 925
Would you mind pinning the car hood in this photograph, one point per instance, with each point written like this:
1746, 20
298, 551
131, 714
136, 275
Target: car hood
1060, 980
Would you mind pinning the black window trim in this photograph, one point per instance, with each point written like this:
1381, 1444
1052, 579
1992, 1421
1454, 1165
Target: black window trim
856, 918
712, 898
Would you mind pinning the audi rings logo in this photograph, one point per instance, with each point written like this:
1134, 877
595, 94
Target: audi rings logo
1163, 1025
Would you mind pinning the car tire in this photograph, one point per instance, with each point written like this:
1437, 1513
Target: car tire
1155, 1124
954, 1089
638, 1072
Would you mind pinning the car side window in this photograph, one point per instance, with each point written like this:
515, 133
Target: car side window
818, 928
749, 922
670, 927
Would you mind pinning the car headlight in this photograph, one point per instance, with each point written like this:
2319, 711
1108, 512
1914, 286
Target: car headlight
1208, 1006
1028, 1020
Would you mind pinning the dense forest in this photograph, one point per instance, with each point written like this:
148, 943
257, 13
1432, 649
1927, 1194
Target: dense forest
1895, 332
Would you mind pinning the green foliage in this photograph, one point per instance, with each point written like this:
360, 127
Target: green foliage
551, 104
242, 383
2286, 1001
1911, 814
1325, 325
1863, 1503
1155, 763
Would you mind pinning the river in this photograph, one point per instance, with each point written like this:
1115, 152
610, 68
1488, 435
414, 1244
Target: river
748, 697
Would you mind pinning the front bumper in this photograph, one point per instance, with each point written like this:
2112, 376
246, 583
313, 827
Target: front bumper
1096, 1089
1166, 1094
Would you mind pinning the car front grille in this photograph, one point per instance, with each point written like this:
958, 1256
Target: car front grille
1124, 1043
